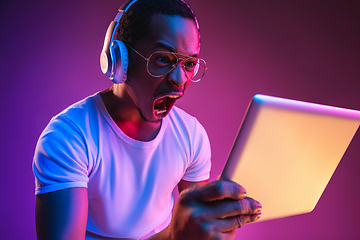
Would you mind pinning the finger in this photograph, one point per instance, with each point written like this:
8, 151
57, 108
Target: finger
217, 190
238, 221
227, 225
244, 219
248, 206
229, 208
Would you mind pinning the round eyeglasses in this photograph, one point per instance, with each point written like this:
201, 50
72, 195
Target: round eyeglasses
160, 63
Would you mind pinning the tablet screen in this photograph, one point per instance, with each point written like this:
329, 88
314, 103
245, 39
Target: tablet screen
286, 152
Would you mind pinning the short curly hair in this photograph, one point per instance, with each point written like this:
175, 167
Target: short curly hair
134, 24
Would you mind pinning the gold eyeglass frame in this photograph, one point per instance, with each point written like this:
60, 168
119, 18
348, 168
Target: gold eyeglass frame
182, 56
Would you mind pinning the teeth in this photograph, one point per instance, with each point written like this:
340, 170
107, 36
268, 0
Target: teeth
173, 96
158, 112
160, 106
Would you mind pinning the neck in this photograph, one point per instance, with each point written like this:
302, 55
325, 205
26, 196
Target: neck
127, 116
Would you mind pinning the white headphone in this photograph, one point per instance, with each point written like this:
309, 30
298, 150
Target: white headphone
114, 59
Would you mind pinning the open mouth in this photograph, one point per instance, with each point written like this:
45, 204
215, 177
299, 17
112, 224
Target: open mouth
163, 105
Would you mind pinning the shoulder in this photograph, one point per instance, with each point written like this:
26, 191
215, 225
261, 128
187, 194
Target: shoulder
188, 123
76, 115
81, 108
72, 124
180, 116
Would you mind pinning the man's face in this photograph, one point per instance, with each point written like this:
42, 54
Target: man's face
155, 96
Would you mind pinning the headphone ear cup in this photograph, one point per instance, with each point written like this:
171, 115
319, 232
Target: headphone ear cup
119, 57
106, 62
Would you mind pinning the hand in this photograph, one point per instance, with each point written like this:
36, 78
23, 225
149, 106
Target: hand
212, 211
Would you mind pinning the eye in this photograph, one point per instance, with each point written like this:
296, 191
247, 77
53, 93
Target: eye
161, 60
190, 64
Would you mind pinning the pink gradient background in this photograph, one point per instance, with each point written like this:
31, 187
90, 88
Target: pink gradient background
300, 49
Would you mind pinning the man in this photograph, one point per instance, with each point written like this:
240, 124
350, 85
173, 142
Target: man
106, 166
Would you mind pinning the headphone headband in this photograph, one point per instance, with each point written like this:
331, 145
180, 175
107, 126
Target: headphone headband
123, 9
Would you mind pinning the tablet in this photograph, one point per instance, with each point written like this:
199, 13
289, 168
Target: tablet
286, 152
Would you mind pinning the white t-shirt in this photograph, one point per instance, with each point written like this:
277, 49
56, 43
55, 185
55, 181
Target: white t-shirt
129, 182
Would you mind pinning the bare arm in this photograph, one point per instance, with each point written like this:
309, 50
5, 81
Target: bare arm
62, 214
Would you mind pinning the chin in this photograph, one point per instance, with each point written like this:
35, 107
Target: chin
151, 117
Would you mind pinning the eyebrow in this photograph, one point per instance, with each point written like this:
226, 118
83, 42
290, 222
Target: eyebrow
170, 49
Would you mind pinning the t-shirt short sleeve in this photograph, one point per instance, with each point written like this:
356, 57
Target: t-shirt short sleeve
60, 159
200, 165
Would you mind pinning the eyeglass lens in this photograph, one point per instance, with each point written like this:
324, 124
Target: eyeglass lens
161, 63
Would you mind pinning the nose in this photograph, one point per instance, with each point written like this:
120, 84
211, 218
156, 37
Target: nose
178, 75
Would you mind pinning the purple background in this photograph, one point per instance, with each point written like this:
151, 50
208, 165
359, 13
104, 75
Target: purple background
300, 49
